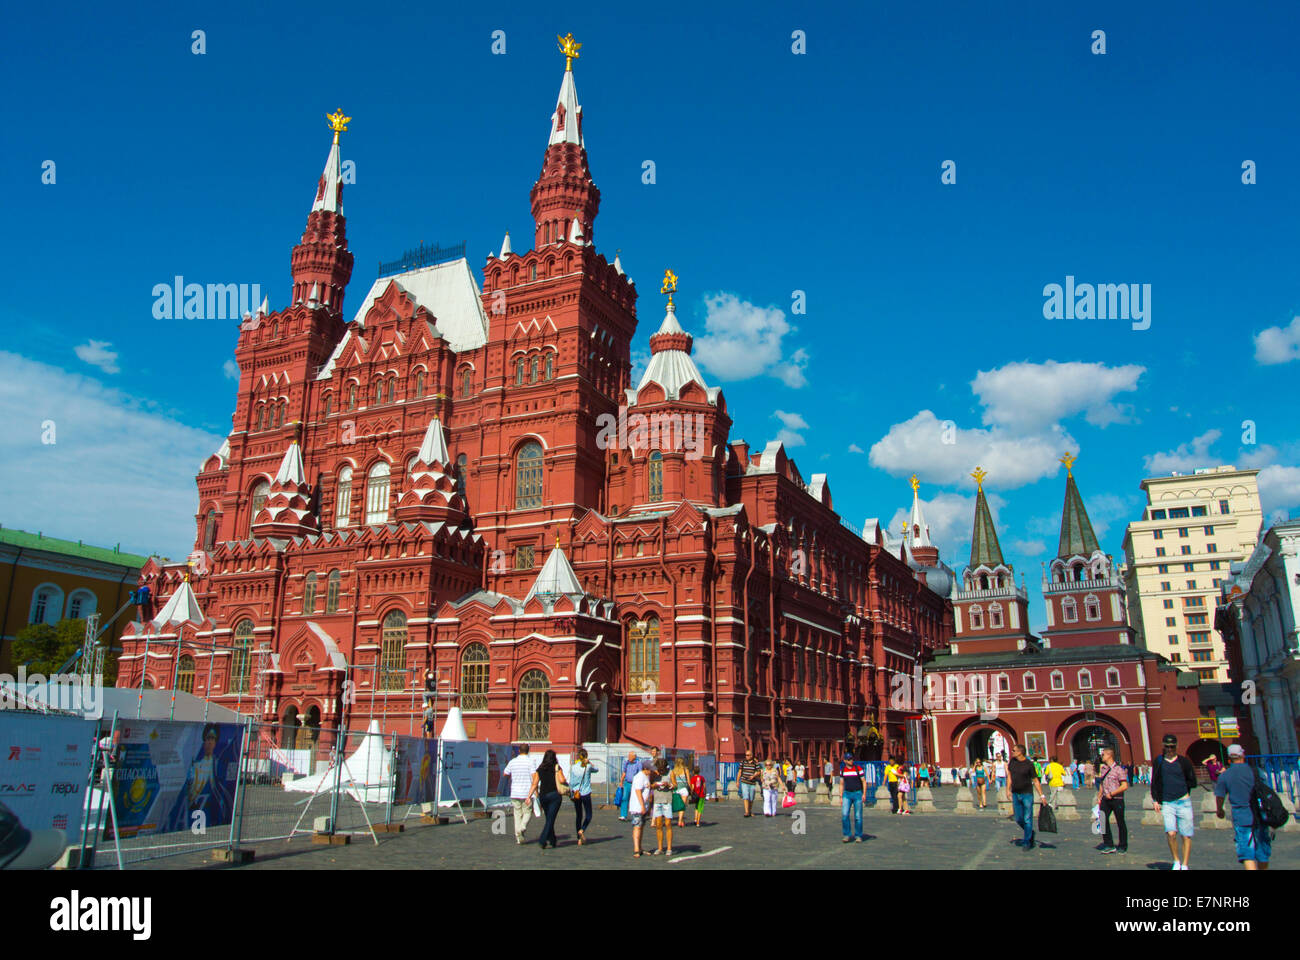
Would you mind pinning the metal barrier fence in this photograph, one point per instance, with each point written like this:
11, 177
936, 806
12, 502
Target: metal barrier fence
1280, 771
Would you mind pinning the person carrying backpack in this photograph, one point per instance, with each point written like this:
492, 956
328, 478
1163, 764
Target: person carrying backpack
1251, 809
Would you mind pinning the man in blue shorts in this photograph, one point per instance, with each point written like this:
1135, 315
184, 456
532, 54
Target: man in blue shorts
1254, 846
1173, 778
749, 771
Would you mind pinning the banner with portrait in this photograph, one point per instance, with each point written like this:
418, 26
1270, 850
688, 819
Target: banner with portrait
417, 770
44, 767
169, 775
463, 773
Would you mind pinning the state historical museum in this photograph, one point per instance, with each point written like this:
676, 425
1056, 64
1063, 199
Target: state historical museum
429, 493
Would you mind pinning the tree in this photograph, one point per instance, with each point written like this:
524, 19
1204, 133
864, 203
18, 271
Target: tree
43, 648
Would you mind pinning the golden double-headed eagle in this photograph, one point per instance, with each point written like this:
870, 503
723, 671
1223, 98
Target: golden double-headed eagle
338, 122
569, 47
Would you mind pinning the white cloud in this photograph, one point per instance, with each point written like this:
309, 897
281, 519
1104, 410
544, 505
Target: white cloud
1278, 344
1026, 549
640, 360
1279, 490
1012, 460
742, 340
1186, 456
792, 423
231, 369
854, 448
97, 354
120, 470
1033, 396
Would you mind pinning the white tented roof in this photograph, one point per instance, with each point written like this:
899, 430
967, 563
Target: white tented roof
291, 467
448, 291
434, 447
568, 131
556, 577
672, 369
182, 607
329, 199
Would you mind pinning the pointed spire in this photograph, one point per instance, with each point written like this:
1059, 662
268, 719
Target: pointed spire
262, 310
434, 448
1077, 536
618, 266
291, 469
918, 529
575, 232
505, 247
671, 366
564, 189
556, 577
984, 547
182, 607
566, 126
322, 257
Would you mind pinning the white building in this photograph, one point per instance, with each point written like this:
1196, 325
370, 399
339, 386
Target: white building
1256, 618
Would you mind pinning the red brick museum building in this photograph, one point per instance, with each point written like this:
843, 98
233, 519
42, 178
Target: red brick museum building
463, 483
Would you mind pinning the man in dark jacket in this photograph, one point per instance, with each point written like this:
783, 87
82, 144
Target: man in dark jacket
1172, 780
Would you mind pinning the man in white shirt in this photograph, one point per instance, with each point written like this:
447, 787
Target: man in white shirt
520, 772
638, 806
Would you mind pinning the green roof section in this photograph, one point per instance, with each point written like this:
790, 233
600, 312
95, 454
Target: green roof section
71, 548
984, 547
1077, 538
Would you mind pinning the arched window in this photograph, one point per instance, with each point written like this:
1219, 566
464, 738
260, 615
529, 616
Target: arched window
519, 371
1058, 680
392, 389
474, 677
466, 382
379, 392
343, 498
260, 493
329, 403
239, 660
47, 604
1112, 677
210, 531
393, 652
643, 655
332, 592
532, 273
377, 493
419, 384
534, 370
656, 476
461, 472
977, 617
352, 396
1085, 679
81, 604
528, 476
309, 594
1029, 682
258, 416
550, 366
279, 414
534, 706
995, 615
1091, 607
1070, 610
185, 674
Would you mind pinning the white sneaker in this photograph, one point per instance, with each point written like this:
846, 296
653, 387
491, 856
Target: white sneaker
1177, 865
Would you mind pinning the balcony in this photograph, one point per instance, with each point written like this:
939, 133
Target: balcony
993, 593
1070, 586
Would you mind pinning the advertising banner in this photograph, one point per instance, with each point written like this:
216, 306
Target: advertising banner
169, 776
44, 766
708, 763
499, 754
464, 769
417, 768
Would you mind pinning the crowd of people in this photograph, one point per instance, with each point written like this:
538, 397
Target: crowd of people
656, 793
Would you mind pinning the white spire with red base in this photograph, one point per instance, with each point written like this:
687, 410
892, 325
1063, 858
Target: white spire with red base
329, 191
565, 121
287, 511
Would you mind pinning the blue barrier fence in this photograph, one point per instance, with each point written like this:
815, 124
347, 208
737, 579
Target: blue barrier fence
1280, 771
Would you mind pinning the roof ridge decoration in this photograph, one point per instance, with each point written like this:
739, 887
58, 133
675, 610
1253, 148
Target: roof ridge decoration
984, 547
1077, 536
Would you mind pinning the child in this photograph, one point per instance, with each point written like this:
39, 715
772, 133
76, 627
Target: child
904, 788
697, 793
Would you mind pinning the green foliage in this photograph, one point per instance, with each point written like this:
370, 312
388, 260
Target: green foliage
43, 648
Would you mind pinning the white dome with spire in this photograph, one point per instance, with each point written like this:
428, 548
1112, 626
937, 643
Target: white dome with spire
671, 367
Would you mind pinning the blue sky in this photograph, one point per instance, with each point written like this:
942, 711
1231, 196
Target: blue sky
775, 173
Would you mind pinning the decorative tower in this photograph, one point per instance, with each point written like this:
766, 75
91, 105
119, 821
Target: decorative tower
1086, 604
564, 198
321, 263
288, 508
988, 607
432, 494
918, 531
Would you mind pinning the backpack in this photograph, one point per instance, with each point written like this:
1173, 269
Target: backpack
1266, 805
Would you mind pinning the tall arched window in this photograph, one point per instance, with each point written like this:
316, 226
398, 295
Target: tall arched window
466, 382
474, 677
1092, 607
550, 366
329, 403
260, 493
343, 499
332, 592
185, 674
309, 594
377, 493
643, 655
81, 604
352, 397
519, 371
379, 391
533, 367
656, 473
258, 417
393, 652
1069, 610
462, 463
534, 707
528, 476
976, 618
47, 604
419, 384
239, 660
210, 531
392, 389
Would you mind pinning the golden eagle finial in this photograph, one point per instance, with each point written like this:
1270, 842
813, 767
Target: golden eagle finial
916, 484
1068, 460
978, 475
670, 285
338, 122
569, 47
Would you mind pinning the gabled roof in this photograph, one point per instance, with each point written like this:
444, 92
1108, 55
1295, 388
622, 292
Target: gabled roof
449, 292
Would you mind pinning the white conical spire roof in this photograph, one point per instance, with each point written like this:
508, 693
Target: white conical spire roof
262, 310
454, 728
434, 447
505, 246
556, 577
564, 121
575, 232
918, 531
618, 265
182, 607
292, 470
670, 367
315, 294
328, 195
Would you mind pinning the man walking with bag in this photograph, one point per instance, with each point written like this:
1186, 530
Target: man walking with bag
1023, 783
630, 769
1172, 779
1112, 781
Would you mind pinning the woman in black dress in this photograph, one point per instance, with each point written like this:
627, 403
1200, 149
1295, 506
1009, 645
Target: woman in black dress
548, 781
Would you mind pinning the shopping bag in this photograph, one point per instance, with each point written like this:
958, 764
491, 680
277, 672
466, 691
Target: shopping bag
618, 796
1096, 821
1046, 819
789, 799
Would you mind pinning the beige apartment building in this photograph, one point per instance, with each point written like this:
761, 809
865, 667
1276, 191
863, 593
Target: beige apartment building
1194, 526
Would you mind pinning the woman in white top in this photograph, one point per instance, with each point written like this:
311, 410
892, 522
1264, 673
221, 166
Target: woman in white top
1000, 773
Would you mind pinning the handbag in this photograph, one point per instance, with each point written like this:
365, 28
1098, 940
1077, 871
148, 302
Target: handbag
618, 796
789, 800
1046, 819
